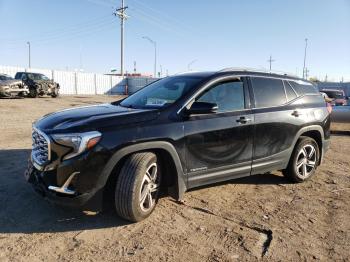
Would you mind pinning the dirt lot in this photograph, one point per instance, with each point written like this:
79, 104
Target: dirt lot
257, 218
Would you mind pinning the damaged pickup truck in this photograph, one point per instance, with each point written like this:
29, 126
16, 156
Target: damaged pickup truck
10, 87
38, 84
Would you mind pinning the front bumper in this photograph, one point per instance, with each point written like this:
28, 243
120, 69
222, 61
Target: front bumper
13, 91
64, 191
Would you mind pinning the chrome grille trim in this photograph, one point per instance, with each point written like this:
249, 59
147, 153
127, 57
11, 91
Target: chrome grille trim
41, 150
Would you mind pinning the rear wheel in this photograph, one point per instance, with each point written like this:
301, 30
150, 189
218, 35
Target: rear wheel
137, 187
304, 160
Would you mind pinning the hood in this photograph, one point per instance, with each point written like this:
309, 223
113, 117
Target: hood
10, 82
96, 117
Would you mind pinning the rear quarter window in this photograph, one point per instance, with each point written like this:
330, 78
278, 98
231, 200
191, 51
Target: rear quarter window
303, 87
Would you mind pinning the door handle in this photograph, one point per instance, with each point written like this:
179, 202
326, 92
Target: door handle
243, 120
296, 113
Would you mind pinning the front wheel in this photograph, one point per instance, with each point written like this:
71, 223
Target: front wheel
55, 93
33, 93
137, 187
304, 160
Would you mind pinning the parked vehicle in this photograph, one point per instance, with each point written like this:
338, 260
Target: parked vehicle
38, 84
178, 133
10, 87
338, 96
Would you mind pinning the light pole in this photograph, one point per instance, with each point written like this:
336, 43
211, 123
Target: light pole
155, 54
191, 63
28, 43
304, 68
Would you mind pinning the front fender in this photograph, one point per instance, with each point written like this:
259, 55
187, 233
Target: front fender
154, 145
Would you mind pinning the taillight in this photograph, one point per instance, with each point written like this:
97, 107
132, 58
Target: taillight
329, 107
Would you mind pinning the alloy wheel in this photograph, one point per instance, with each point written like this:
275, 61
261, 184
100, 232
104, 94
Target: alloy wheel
149, 188
306, 160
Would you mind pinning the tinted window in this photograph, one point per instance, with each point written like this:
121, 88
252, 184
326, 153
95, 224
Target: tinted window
268, 92
162, 93
289, 91
229, 96
18, 76
302, 87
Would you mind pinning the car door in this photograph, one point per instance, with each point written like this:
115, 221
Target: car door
219, 145
276, 109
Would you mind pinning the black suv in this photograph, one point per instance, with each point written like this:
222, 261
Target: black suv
38, 84
178, 133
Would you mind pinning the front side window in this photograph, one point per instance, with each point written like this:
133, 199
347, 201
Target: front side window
162, 93
229, 96
268, 92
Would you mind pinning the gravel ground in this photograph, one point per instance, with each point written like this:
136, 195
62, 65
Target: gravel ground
262, 217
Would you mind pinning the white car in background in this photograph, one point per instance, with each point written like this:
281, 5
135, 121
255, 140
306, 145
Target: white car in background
10, 87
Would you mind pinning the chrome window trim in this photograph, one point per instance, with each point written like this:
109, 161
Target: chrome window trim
238, 76
46, 137
212, 82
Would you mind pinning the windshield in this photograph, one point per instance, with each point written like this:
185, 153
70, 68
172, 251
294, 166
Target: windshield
334, 94
162, 93
38, 77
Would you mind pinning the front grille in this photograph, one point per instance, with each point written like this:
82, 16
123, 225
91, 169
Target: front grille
40, 147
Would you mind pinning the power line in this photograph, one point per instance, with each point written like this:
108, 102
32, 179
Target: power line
65, 30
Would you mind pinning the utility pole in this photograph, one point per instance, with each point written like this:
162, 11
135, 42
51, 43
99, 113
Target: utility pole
135, 67
270, 61
120, 12
28, 43
155, 54
306, 73
304, 67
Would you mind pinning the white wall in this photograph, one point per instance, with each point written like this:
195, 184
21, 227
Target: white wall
72, 82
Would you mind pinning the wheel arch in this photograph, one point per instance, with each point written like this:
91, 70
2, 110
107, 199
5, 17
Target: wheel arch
315, 132
174, 175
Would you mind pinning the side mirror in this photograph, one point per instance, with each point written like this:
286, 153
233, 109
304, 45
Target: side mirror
199, 108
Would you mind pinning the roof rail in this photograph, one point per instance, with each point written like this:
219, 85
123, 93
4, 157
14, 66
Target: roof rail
247, 69
186, 72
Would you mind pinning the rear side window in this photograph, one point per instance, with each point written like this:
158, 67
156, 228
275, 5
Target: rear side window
289, 92
268, 92
303, 88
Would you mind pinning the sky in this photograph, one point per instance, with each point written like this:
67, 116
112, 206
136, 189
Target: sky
74, 34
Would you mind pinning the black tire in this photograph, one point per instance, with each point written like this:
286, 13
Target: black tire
132, 184
33, 93
55, 93
300, 164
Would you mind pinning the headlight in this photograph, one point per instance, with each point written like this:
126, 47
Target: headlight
79, 142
